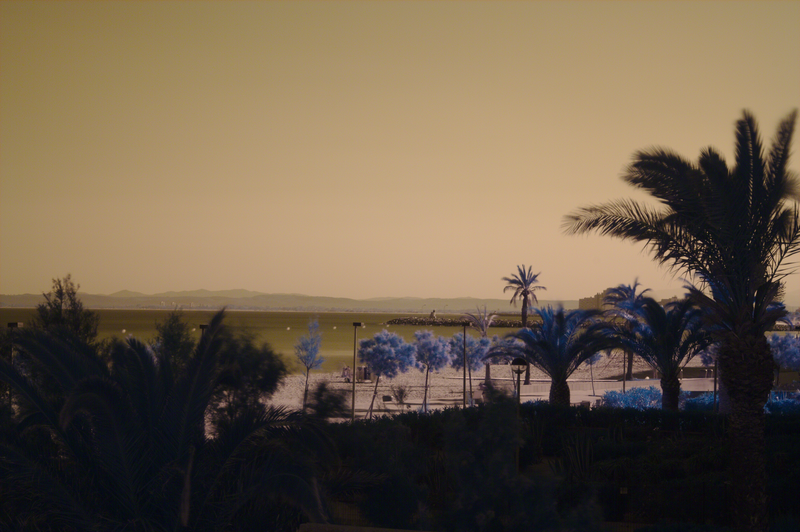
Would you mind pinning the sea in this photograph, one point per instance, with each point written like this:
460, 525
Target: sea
281, 330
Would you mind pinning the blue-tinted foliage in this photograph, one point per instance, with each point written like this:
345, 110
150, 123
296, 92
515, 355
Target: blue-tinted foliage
476, 351
307, 347
386, 354
433, 352
786, 350
638, 398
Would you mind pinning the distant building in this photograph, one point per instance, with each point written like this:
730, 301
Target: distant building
594, 302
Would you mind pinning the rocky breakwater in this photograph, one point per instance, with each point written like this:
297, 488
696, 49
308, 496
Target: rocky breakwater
418, 321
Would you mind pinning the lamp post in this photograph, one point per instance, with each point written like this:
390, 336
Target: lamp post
518, 366
356, 325
465, 365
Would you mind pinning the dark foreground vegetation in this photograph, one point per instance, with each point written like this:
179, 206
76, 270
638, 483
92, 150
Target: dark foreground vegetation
175, 436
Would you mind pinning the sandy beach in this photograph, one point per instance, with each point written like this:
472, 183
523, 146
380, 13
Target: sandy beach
446, 387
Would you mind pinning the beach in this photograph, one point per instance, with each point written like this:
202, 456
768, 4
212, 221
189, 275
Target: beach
446, 387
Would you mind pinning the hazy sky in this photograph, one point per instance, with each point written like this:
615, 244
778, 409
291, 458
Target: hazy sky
360, 149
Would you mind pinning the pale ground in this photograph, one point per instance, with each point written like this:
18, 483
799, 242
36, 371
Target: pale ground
446, 388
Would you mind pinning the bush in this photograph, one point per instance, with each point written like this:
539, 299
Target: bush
637, 398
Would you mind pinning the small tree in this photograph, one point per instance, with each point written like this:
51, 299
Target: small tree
475, 354
433, 353
62, 310
786, 352
385, 354
174, 339
481, 321
307, 352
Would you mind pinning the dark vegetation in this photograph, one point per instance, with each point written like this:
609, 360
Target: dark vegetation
176, 436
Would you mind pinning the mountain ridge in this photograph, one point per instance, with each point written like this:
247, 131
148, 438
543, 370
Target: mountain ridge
240, 299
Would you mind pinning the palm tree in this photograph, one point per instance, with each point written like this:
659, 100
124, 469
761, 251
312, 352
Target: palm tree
524, 284
666, 338
128, 445
625, 303
557, 345
731, 229
481, 321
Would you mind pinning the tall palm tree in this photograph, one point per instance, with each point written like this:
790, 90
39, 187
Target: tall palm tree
625, 303
731, 229
557, 344
481, 321
666, 338
524, 283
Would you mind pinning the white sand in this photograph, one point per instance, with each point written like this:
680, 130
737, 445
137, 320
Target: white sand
446, 388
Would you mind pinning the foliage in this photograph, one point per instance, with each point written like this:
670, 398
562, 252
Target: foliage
247, 374
432, 352
307, 353
637, 398
557, 345
327, 403
63, 311
666, 338
307, 348
481, 320
785, 350
174, 339
732, 229
127, 446
524, 284
476, 351
386, 354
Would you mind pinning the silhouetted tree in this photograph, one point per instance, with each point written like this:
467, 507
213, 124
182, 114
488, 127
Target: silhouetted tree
625, 303
666, 338
174, 338
524, 284
62, 310
556, 345
731, 228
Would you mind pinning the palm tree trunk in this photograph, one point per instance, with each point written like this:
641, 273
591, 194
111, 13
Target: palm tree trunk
488, 376
559, 392
746, 371
670, 391
525, 325
629, 371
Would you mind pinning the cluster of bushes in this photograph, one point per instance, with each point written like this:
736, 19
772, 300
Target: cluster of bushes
645, 398
455, 469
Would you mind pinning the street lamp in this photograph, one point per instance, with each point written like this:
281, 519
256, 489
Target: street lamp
465, 365
518, 366
356, 325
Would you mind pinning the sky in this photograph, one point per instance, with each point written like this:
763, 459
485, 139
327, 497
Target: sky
361, 149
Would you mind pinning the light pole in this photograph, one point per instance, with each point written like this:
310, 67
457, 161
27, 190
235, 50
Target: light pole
465, 365
356, 325
518, 366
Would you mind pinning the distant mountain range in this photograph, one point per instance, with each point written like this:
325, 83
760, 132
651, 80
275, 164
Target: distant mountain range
249, 300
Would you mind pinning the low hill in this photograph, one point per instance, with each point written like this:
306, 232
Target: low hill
248, 300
